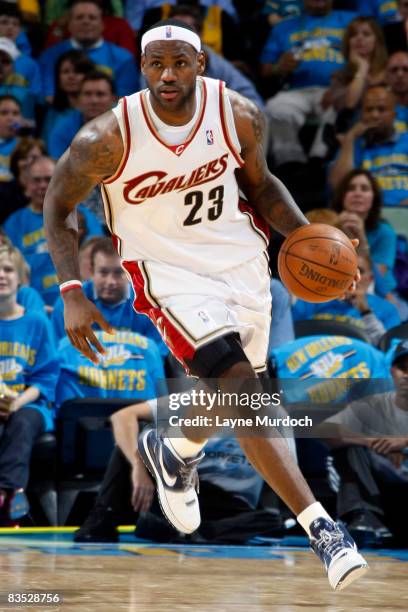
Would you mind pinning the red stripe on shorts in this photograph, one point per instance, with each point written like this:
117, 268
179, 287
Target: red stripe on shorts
146, 304
259, 223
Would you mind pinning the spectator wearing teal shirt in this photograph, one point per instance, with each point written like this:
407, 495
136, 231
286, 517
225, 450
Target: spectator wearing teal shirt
96, 96
25, 229
86, 25
304, 52
358, 201
397, 80
70, 69
109, 290
383, 11
20, 77
132, 368
11, 26
373, 144
29, 370
10, 117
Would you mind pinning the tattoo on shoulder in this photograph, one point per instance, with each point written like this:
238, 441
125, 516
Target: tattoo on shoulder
258, 123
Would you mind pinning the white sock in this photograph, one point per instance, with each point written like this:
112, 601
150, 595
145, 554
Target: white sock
184, 447
309, 514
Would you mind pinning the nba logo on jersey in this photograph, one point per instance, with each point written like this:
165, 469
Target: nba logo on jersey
210, 137
168, 31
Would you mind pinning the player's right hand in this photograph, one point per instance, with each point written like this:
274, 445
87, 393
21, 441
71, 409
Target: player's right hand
79, 315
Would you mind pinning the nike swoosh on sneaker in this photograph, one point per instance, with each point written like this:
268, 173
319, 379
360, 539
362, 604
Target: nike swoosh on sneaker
169, 480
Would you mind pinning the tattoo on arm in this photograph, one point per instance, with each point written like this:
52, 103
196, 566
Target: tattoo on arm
274, 202
93, 156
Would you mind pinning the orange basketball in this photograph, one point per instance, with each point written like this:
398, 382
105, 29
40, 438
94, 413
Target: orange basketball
317, 262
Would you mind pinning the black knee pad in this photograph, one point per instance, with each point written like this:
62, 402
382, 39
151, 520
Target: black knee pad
213, 359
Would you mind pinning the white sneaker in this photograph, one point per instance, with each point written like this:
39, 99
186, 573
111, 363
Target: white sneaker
176, 479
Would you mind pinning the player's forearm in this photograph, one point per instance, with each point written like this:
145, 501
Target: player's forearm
274, 202
62, 237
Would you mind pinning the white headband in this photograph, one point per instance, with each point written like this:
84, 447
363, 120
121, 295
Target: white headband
171, 32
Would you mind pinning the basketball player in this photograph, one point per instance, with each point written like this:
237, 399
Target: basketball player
171, 161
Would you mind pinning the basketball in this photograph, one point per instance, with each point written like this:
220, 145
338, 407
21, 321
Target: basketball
317, 262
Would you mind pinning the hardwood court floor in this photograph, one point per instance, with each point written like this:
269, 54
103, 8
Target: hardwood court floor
150, 578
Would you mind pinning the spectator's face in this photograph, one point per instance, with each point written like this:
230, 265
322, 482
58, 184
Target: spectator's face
359, 196
365, 272
69, 80
318, 7
170, 69
109, 278
10, 117
403, 8
9, 279
38, 176
85, 23
400, 376
6, 66
24, 162
9, 27
95, 98
397, 73
363, 40
378, 109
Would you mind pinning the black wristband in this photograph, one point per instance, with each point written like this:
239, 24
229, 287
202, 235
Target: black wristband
366, 312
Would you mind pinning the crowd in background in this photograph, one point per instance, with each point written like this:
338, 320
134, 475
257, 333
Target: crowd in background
332, 81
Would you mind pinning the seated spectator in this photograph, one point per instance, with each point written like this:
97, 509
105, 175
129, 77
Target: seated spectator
70, 69
216, 67
85, 26
116, 30
110, 291
397, 81
220, 29
84, 256
277, 10
25, 229
27, 297
358, 200
12, 193
372, 313
366, 57
303, 52
10, 118
96, 96
314, 368
230, 489
368, 439
29, 371
11, 27
20, 77
395, 32
373, 144
131, 368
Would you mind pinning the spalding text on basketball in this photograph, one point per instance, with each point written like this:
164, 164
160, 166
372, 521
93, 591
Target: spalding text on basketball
314, 275
156, 182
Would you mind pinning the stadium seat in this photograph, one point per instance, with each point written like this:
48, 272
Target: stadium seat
84, 445
317, 327
400, 331
42, 487
397, 217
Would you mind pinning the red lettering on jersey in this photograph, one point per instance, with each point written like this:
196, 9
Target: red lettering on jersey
133, 183
203, 174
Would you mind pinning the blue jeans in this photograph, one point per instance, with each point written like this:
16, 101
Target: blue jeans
17, 436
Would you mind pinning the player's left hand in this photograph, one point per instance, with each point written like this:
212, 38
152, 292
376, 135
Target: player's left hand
142, 488
355, 242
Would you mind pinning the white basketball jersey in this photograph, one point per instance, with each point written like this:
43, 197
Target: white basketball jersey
179, 204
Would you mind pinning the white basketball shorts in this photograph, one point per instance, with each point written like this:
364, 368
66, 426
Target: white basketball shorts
190, 310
